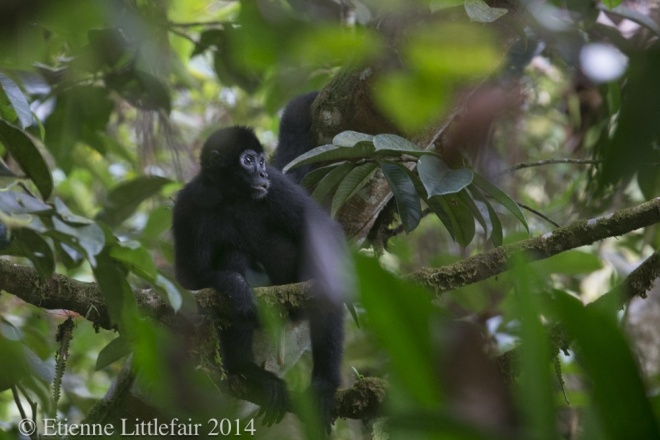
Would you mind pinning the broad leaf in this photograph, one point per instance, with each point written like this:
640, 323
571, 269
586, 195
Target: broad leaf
403, 187
401, 316
455, 216
332, 153
350, 138
156, 95
536, 386
467, 200
160, 221
80, 113
23, 150
17, 100
328, 184
312, 178
68, 216
12, 202
501, 197
115, 350
89, 238
439, 179
613, 370
573, 262
479, 11
496, 234
119, 298
124, 199
137, 259
32, 246
355, 180
171, 290
393, 145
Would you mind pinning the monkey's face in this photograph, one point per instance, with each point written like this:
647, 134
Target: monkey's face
254, 174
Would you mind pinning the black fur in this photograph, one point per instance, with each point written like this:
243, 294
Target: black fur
296, 135
223, 226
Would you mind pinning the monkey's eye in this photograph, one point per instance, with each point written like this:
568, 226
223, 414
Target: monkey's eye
248, 160
261, 161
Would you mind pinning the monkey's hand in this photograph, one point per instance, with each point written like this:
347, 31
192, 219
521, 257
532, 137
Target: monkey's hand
323, 393
271, 391
244, 307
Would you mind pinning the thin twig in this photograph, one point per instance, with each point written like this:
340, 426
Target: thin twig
17, 400
33, 406
183, 35
548, 162
534, 211
199, 23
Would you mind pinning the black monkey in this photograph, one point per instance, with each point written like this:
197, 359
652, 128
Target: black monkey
239, 213
295, 135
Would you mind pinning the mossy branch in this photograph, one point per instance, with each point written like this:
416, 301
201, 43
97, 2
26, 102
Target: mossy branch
580, 233
86, 299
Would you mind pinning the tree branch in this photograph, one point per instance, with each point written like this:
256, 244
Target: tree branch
86, 299
580, 233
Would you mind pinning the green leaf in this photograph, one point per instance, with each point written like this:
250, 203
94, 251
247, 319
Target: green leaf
23, 150
332, 153
439, 179
411, 100
68, 216
328, 184
612, 368
80, 114
469, 203
351, 138
355, 180
312, 178
455, 215
536, 387
461, 217
479, 11
17, 100
135, 258
393, 145
440, 209
115, 350
111, 278
156, 95
501, 197
400, 315
15, 371
160, 221
42, 370
571, 262
32, 246
12, 202
496, 234
125, 198
171, 290
89, 238
407, 201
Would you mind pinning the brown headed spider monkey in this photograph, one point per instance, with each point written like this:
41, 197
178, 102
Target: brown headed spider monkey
240, 213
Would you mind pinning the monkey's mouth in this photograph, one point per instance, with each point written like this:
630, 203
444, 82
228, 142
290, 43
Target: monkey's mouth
260, 190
